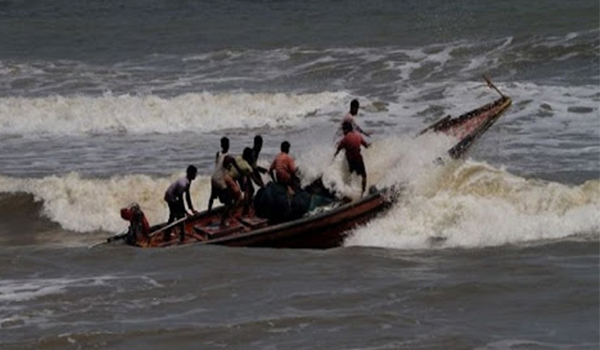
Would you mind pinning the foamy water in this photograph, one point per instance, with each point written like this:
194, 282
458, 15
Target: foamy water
476, 205
464, 204
104, 103
197, 113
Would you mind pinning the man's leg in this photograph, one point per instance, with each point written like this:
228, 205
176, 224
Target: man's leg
234, 194
179, 215
364, 184
167, 233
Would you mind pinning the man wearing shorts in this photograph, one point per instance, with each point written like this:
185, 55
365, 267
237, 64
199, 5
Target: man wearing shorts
351, 144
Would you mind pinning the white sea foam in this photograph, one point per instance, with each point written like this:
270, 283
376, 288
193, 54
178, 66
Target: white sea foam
203, 112
543, 115
16, 290
476, 205
83, 205
467, 204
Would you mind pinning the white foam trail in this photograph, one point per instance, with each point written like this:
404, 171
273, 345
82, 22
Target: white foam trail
202, 112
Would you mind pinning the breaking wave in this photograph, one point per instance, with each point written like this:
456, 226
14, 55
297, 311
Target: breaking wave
459, 204
195, 112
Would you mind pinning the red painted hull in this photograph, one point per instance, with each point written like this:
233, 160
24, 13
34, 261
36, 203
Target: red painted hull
318, 231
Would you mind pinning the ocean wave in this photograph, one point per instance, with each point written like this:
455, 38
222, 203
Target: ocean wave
86, 204
201, 113
477, 205
569, 59
462, 203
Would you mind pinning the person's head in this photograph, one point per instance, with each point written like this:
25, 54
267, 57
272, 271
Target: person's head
354, 105
285, 147
248, 155
225, 144
258, 143
191, 172
346, 127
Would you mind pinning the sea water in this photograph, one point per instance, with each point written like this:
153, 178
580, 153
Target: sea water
106, 103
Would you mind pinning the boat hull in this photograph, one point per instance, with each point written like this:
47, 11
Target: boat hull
468, 127
326, 230
323, 230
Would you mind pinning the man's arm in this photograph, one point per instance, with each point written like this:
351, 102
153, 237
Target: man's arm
364, 142
261, 169
211, 199
339, 148
292, 165
230, 160
360, 130
256, 178
210, 203
188, 199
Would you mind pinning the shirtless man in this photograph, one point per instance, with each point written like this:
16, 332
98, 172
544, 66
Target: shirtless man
283, 169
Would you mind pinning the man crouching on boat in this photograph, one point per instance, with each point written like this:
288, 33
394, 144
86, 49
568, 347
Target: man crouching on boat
174, 198
243, 173
228, 182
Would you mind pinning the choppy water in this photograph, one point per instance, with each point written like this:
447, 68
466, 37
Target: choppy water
105, 103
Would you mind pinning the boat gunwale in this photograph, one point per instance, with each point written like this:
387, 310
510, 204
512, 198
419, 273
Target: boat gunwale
379, 195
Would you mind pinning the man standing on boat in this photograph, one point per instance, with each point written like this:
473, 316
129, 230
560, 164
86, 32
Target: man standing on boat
283, 169
174, 198
218, 182
242, 172
351, 144
256, 148
351, 118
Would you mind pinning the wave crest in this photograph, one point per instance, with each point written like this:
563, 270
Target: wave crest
198, 112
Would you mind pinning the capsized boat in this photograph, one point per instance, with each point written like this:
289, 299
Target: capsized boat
328, 224
468, 127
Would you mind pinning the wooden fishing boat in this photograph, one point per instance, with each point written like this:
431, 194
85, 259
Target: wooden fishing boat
327, 225
468, 127
323, 228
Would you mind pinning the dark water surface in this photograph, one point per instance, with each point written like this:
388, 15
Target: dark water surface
103, 103
541, 297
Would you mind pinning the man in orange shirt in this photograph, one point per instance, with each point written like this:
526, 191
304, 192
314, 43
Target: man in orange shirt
351, 144
283, 169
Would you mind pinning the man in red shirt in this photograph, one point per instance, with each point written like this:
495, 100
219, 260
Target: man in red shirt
283, 168
351, 144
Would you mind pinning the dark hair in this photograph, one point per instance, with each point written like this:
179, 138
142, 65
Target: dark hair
191, 171
347, 126
285, 147
224, 142
248, 155
258, 140
354, 104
